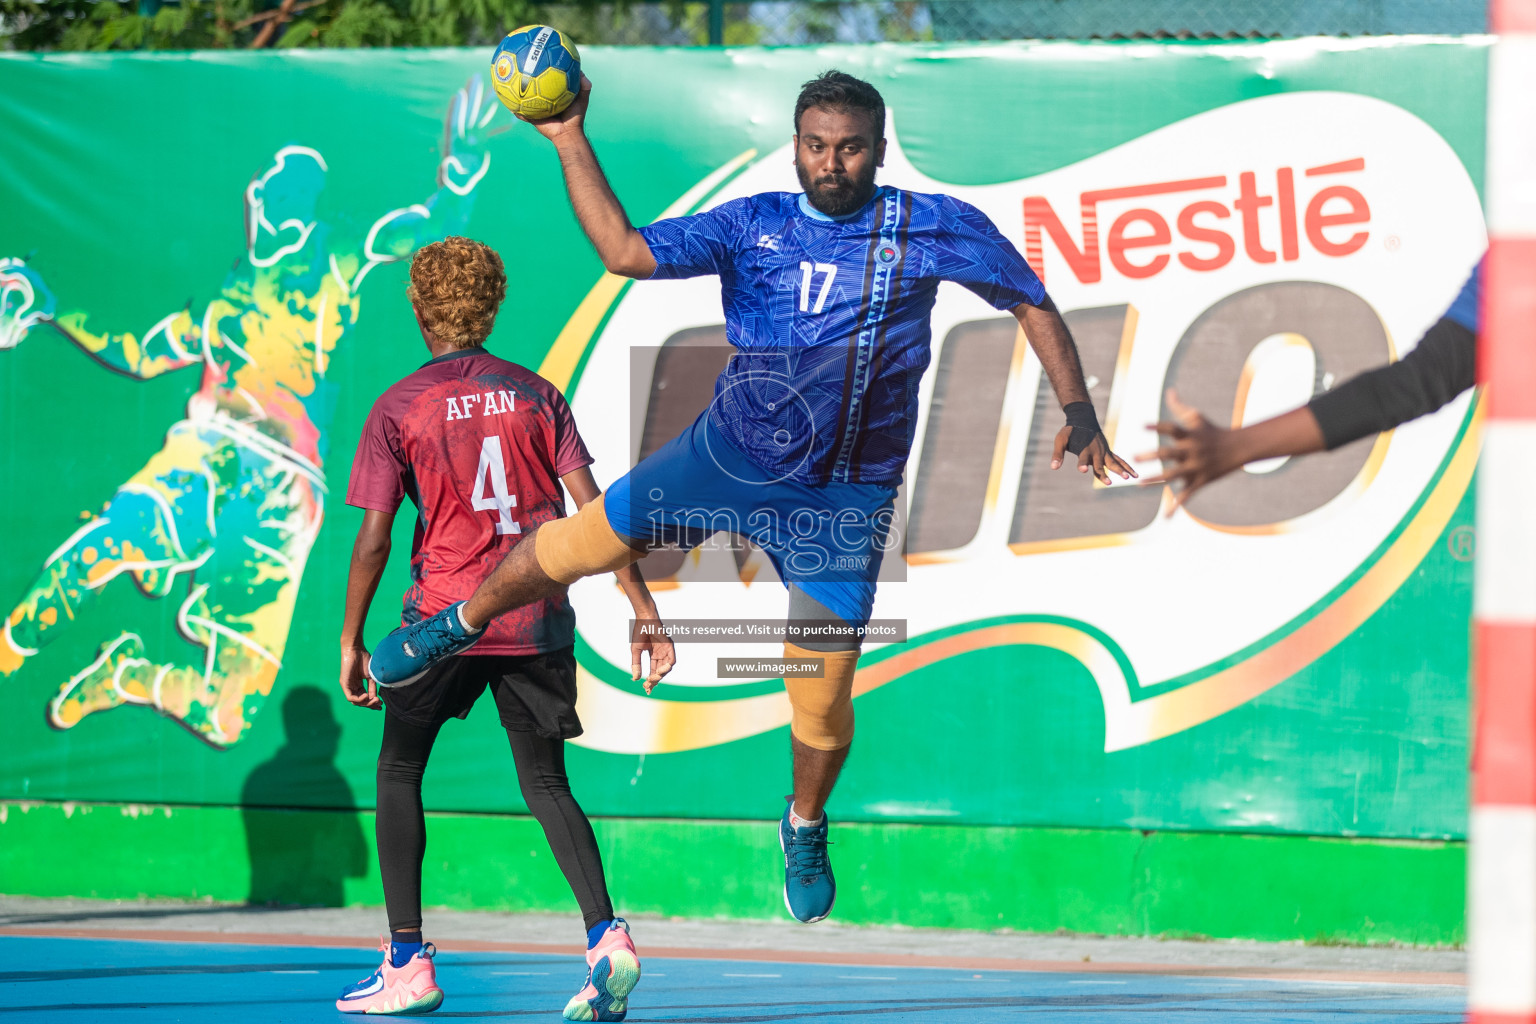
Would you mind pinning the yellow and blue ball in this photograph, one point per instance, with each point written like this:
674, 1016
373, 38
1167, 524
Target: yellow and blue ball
536, 71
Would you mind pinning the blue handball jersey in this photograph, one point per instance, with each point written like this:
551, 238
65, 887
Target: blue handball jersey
830, 319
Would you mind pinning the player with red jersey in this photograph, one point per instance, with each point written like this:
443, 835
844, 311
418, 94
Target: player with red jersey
482, 447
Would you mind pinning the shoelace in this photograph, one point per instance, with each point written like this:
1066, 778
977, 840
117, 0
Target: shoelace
433, 637
807, 856
360, 982
365, 979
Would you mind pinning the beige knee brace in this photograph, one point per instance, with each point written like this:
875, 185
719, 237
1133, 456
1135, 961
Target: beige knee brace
821, 707
581, 545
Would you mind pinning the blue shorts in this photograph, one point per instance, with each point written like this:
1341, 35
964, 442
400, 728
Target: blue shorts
827, 540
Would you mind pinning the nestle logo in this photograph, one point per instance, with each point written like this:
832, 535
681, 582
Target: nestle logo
1146, 252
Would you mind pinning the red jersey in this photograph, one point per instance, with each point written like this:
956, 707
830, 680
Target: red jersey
479, 444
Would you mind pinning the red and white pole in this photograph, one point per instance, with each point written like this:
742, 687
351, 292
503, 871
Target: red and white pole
1502, 848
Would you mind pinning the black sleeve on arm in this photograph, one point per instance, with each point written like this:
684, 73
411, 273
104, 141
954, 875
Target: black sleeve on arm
1442, 366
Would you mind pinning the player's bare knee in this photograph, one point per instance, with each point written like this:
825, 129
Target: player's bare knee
581, 545
821, 706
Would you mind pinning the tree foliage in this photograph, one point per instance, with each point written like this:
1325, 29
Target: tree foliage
258, 24
261, 24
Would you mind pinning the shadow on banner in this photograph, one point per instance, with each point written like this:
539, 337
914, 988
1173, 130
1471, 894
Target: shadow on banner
300, 857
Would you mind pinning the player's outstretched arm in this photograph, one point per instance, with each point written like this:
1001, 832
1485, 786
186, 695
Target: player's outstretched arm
370, 554
650, 639
170, 344
621, 248
25, 303
1048, 336
1196, 452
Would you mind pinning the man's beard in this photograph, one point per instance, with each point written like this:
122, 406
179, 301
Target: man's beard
845, 194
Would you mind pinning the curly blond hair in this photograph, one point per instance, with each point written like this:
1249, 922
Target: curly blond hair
457, 286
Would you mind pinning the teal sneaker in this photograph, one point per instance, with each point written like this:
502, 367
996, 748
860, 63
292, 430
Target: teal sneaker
809, 889
406, 654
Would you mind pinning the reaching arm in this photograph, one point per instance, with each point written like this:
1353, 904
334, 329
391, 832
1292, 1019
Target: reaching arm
370, 554
1441, 366
980, 259
1048, 336
649, 637
621, 248
1197, 452
26, 302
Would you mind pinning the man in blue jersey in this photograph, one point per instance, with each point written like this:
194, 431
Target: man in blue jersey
827, 300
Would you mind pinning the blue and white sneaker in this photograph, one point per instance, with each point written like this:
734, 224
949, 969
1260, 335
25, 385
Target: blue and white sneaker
406, 654
809, 889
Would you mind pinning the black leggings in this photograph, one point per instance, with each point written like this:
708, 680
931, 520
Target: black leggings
401, 825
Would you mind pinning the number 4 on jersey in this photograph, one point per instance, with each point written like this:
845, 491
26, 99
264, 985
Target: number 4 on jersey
500, 500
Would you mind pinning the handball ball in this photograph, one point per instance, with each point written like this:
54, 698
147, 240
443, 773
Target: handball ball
536, 71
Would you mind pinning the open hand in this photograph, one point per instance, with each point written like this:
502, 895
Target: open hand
1194, 453
465, 156
1096, 457
25, 302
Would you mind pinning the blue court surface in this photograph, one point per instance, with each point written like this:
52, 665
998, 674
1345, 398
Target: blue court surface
93, 980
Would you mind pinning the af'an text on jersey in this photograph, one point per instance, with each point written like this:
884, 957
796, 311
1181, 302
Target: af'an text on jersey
491, 403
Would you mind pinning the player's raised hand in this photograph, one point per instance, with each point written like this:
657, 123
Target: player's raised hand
355, 683
465, 135
1094, 457
650, 640
1194, 451
25, 302
568, 121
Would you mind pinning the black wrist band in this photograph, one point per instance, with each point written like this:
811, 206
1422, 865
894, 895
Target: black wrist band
1084, 424
1080, 414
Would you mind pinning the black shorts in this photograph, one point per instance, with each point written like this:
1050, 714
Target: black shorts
533, 692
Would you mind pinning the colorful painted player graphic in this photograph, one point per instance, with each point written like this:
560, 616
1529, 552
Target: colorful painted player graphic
223, 516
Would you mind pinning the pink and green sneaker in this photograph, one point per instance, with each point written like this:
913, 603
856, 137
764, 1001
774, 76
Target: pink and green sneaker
613, 970
399, 990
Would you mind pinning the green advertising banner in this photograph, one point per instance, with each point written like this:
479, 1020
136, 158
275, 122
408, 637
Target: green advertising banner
202, 293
